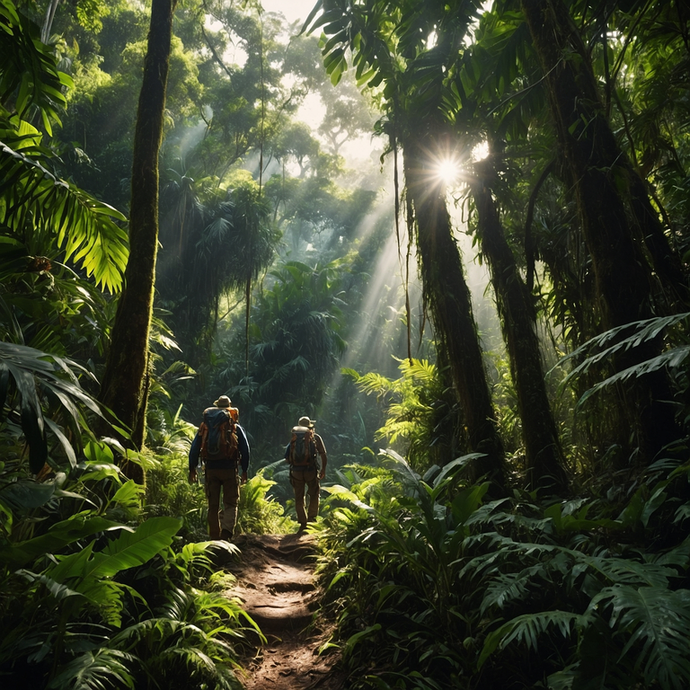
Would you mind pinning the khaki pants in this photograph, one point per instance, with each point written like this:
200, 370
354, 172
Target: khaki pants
299, 479
229, 481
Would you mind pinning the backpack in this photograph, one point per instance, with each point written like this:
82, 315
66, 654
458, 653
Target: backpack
302, 446
218, 435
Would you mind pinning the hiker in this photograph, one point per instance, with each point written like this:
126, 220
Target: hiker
301, 453
221, 445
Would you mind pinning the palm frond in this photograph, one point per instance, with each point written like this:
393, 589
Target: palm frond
83, 227
28, 68
640, 332
33, 373
671, 358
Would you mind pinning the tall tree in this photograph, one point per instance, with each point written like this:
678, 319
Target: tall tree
597, 170
519, 323
388, 55
124, 386
449, 298
413, 57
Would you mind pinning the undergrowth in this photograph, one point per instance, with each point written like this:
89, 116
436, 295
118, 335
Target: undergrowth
434, 585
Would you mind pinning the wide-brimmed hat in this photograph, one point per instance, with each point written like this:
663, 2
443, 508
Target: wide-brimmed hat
223, 401
305, 421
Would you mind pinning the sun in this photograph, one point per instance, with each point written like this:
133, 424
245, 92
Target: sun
447, 170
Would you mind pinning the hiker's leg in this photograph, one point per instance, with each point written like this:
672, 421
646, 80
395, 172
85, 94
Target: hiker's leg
213, 484
297, 481
231, 497
313, 487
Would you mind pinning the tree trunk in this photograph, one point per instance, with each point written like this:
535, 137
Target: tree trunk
449, 299
122, 388
598, 172
665, 261
518, 321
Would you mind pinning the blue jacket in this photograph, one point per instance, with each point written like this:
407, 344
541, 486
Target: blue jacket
242, 446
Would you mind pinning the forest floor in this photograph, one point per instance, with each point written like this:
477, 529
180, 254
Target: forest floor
275, 582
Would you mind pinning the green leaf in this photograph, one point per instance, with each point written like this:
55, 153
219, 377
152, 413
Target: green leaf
60, 535
26, 494
527, 628
655, 622
134, 548
355, 639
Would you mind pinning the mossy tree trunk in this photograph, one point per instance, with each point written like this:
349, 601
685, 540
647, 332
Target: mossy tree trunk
519, 325
123, 388
599, 175
448, 297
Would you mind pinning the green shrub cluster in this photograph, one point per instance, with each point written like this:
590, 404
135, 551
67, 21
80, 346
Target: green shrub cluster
434, 585
91, 600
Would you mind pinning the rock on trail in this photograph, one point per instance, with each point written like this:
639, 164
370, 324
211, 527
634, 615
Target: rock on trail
275, 582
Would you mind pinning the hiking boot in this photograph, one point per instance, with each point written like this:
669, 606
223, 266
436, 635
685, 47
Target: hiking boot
226, 535
302, 527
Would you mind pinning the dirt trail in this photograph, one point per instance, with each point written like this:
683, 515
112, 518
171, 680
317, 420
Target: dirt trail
276, 585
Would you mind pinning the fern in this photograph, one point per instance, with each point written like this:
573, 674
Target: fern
509, 587
642, 332
528, 628
656, 624
95, 670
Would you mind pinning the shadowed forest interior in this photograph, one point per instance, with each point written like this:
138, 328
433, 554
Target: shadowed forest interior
456, 234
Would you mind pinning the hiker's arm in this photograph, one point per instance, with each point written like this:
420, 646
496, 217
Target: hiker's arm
194, 451
243, 447
321, 450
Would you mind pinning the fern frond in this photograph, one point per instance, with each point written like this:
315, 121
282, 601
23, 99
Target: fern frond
528, 628
99, 669
628, 572
656, 622
509, 587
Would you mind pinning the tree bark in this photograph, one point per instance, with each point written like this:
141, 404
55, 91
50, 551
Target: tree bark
449, 299
122, 388
599, 175
665, 261
545, 469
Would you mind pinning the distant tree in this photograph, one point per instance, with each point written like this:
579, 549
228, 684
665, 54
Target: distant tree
295, 142
297, 326
347, 114
213, 245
